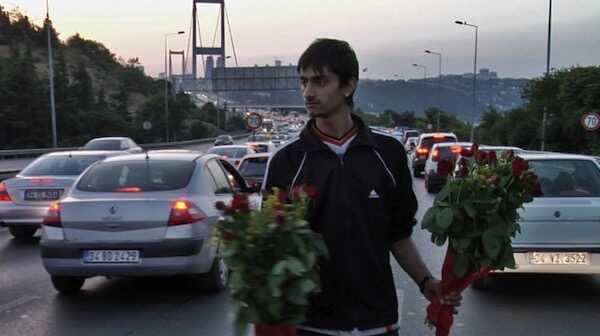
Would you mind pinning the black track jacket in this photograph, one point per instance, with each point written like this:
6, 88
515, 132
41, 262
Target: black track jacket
364, 203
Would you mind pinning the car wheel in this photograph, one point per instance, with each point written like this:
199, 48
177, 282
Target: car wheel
217, 279
67, 285
22, 233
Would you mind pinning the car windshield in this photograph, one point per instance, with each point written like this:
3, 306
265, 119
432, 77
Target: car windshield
147, 175
254, 167
223, 137
235, 152
449, 152
429, 141
567, 178
103, 145
60, 165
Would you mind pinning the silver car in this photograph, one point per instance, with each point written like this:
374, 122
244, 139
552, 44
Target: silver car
25, 197
560, 228
140, 215
113, 144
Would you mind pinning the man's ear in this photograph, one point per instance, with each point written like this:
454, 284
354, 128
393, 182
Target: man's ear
350, 87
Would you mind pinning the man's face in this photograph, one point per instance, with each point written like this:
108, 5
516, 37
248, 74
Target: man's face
323, 93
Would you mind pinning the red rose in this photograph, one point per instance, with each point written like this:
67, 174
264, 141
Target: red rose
282, 196
492, 158
466, 152
228, 236
444, 168
310, 191
481, 157
519, 166
240, 202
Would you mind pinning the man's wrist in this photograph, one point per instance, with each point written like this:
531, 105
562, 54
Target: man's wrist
424, 282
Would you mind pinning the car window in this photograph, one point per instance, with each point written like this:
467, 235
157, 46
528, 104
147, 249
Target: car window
60, 165
103, 145
429, 141
567, 178
219, 177
446, 153
147, 175
254, 167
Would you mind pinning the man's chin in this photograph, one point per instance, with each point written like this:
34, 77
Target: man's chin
317, 113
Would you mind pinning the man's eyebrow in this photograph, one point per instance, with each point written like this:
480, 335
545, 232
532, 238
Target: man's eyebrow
315, 77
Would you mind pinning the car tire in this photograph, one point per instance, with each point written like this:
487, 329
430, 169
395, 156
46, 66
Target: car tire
22, 233
67, 285
217, 279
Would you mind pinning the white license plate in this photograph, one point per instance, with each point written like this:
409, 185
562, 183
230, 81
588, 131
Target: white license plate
559, 258
111, 256
42, 195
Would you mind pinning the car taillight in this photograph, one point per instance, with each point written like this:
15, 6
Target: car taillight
185, 212
422, 151
52, 216
4, 196
435, 155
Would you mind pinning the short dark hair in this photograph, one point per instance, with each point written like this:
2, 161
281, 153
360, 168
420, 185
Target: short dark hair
335, 55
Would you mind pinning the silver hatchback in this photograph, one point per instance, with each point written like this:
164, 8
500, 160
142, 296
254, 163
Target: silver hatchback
140, 215
25, 198
560, 229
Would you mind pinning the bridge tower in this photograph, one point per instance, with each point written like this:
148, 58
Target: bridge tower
201, 51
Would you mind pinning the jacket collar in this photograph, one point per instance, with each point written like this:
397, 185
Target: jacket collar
310, 142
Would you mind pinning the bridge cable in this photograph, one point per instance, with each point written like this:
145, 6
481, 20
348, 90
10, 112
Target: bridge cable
216, 29
231, 38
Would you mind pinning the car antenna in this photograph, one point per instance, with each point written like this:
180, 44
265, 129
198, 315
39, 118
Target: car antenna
147, 157
70, 155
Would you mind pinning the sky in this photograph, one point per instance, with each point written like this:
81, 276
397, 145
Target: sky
387, 35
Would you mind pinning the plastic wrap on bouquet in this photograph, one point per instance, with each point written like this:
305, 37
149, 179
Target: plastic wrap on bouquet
439, 315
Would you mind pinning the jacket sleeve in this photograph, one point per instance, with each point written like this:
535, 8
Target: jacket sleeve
404, 203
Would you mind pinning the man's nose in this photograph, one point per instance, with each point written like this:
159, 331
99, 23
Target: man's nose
308, 93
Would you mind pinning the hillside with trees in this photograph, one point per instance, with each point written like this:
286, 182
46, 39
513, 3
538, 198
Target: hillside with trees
96, 93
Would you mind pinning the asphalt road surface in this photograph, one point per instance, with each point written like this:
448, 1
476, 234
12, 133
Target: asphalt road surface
519, 305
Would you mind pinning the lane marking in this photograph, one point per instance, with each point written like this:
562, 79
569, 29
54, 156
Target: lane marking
18, 302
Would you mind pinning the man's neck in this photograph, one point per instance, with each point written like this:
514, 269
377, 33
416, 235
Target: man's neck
337, 125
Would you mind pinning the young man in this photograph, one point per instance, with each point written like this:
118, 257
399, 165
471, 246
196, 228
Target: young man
364, 206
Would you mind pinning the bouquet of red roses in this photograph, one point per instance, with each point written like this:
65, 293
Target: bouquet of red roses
477, 214
273, 257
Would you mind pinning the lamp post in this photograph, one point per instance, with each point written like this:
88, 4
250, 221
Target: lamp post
51, 77
424, 82
439, 85
464, 23
167, 85
545, 115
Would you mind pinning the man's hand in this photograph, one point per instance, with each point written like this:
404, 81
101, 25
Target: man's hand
433, 289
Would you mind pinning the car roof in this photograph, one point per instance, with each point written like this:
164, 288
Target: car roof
556, 156
500, 147
180, 156
85, 153
231, 146
450, 144
158, 151
110, 138
259, 143
256, 155
425, 135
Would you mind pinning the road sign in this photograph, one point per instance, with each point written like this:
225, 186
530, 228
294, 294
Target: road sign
590, 121
147, 125
254, 120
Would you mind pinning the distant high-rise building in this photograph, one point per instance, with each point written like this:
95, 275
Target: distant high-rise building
209, 66
277, 63
220, 62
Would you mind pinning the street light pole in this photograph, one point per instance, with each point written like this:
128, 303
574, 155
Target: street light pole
545, 115
424, 82
439, 84
51, 77
464, 23
166, 78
